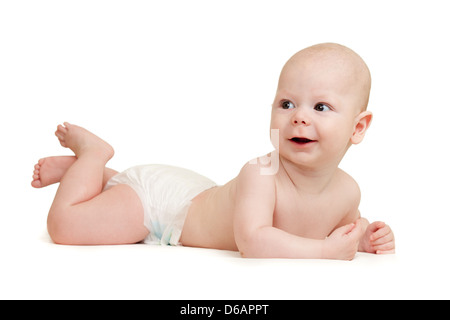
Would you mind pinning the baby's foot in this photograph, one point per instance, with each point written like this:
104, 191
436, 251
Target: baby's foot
50, 170
81, 141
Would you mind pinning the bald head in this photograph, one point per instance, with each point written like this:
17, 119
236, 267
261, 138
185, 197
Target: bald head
341, 60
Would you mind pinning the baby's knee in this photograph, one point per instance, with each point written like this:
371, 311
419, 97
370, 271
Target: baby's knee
58, 227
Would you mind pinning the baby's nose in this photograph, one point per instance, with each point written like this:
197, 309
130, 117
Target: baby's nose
300, 118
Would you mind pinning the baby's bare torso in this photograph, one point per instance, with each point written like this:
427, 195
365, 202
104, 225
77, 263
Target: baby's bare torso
209, 223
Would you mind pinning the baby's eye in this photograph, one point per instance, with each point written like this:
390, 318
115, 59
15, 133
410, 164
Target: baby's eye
322, 107
286, 104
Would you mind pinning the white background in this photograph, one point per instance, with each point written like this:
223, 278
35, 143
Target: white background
190, 83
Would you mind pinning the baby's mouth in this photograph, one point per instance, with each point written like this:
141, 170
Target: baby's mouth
301, 141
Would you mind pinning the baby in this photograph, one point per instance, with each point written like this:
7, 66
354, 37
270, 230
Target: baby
293, 203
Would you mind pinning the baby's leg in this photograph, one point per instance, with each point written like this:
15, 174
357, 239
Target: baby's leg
50, 170
81, 213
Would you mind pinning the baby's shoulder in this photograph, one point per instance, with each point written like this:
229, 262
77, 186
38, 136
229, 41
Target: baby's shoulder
347, 186
256, 174
253, 189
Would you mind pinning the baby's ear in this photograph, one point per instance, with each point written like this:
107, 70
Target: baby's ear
362, 123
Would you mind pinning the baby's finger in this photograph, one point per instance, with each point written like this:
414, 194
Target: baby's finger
357, 230
385, 239
386, 251
380, 233
385, 246
374, 226
344, 230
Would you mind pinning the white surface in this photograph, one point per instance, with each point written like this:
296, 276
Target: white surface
44, 270
190, 83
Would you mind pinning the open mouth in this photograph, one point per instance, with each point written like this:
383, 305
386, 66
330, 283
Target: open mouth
301, 141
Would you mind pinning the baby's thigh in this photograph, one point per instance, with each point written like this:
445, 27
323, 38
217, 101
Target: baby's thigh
115, 216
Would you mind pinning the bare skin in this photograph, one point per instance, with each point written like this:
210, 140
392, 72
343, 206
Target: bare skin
81, 213
306, 208
82, 178
50, 170
211, 221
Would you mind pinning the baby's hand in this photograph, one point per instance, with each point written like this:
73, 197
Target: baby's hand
343, 242
378, 239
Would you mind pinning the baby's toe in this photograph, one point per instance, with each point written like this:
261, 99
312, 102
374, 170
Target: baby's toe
36, 183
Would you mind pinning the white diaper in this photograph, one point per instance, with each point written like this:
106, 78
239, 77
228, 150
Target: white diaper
166, 193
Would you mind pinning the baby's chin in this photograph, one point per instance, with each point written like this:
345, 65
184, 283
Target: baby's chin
298, 160
303, 161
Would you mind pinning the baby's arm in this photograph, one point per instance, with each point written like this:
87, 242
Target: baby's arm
376, 237
257, 238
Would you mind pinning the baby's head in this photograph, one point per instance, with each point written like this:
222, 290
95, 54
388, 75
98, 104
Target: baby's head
320, 104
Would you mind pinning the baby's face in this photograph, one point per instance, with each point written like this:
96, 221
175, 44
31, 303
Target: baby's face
318, 100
